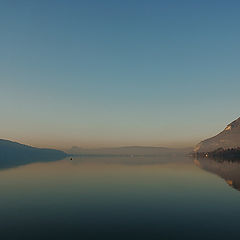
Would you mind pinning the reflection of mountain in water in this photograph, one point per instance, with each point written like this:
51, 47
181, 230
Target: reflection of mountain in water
229, 171
14, 154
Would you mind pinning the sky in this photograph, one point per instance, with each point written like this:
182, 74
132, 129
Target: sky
116, 73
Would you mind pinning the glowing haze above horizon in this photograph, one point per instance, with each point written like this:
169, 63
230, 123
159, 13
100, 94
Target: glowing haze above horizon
114, 73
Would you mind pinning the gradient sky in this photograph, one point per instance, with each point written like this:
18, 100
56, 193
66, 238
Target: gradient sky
109, 73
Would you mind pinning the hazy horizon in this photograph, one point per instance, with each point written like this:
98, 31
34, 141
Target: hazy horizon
63, 144
68, 145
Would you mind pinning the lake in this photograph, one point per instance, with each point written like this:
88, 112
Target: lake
121, 198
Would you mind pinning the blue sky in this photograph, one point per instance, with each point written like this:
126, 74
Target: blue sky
109, 73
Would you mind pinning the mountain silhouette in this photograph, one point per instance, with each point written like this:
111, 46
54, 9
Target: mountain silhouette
13, 154
129, 151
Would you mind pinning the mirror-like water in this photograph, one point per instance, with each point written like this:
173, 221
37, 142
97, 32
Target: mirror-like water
120, 198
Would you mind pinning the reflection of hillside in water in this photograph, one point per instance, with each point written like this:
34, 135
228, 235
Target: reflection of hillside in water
20, 161
229, 171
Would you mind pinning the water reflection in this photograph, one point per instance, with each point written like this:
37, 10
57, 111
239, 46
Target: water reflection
133, 160
76, 160
228, 170
13, 162
116, 198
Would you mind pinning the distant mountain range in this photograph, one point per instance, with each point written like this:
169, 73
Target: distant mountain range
15, 154
228, 138
129, 151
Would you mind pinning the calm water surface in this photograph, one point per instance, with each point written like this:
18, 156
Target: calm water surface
121, 198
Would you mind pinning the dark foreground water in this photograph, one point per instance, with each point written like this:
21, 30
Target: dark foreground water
121, 198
